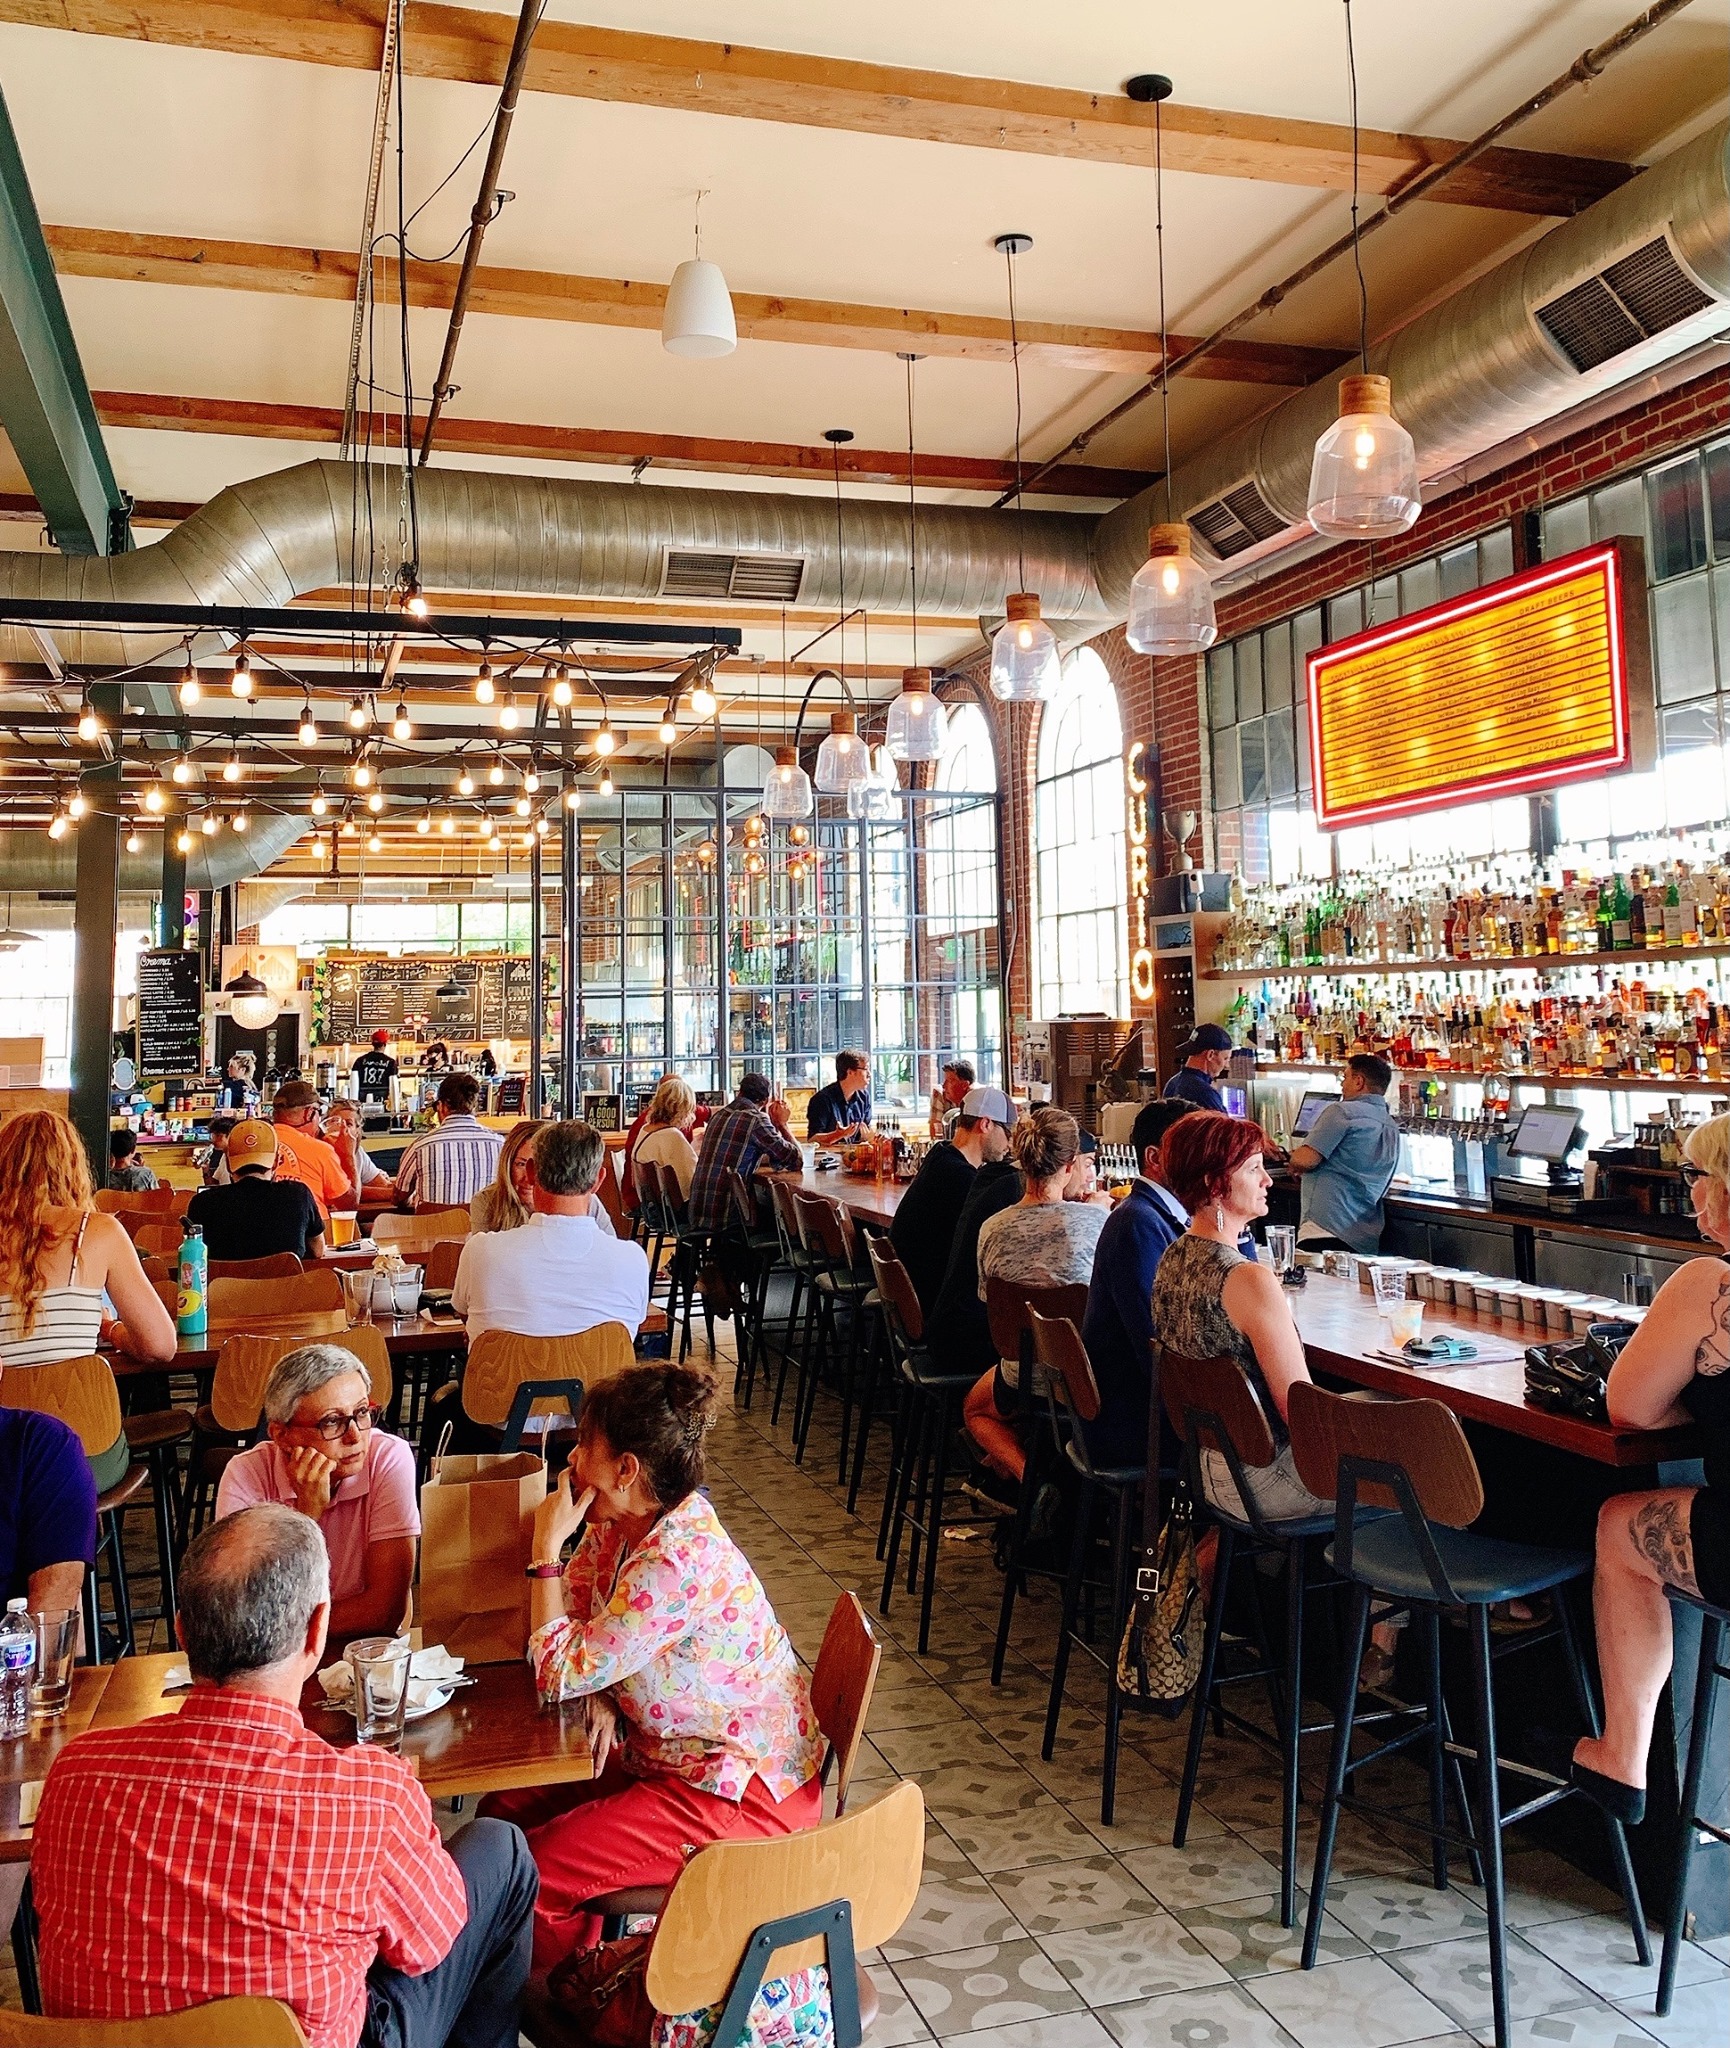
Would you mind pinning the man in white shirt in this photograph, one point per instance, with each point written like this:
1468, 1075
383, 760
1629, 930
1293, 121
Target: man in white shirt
560, 1274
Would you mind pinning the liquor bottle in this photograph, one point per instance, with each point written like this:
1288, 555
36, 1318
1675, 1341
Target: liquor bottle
1621, 915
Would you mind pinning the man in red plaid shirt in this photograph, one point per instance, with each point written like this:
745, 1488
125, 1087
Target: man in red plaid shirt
225, 1851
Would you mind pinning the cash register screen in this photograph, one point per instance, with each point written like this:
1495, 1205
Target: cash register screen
1314, 1102
1546, 1133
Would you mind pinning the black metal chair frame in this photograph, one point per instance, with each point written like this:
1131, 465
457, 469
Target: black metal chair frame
1690, 1823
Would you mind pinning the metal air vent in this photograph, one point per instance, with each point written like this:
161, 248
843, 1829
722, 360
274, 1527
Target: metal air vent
1638, 296
767, 579
1236, 521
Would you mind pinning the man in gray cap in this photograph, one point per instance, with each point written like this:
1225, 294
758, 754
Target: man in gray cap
924, 1227
1206, 1054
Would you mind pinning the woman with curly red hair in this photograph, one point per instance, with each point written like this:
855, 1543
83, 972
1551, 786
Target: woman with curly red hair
1210, 1301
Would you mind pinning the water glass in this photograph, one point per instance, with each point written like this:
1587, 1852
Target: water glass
379, 1665
56, 1647
1282, 1247
1405, 1322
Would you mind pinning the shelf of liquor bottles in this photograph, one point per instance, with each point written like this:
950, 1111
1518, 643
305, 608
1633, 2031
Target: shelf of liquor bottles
1523, 1077
1498, 963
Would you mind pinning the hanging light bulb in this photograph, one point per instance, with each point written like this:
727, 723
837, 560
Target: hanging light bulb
231, 770
76, 805
797, 835
375, 802
702, 699
423, 824
190, 688
1364, 479
209, 824
522, 807
531, 778
240, 821
697, 320
508, 714
89, 725
787, 791
705, 852
465, 784
540, 828
496, 774
357, 715
754, 862
182, 841
133, 843
154, 799
606, 783
1024, 664
1171, 599
843, 759
573, 798
401, 728
447, 824
493, 837
668, 730
413, 600
375, 844
361, 776
484, 683
561, 692
240, 680
917, 722
307, 731
181, 772
349, 828
320, 802
606, 740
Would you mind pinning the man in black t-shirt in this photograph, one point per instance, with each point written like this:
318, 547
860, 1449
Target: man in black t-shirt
257, 1215
374, 1071
925, 1223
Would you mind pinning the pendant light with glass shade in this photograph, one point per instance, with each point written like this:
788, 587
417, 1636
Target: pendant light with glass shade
917, 722
1364, 478
1171, 599
787, 792
1024, 664
843, 759
697, 319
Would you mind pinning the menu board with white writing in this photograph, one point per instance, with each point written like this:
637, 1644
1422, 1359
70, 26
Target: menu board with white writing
170, 1013
436, 997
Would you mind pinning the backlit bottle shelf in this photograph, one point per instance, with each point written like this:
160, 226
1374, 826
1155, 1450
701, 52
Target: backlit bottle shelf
1500, 963
1621, 1084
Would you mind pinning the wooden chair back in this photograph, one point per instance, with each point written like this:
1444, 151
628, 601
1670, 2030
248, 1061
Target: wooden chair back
133, 1219
258, 2022
279, 1266
668, 1193
1058, 1347
167, 1292
832, 1230
157, 1201
181, 1201
424, 1227
782, 1190
153, 1235
247, 1360
80, 1391
1219, 1388
873, 1857
744, 1202
306, 1305
607, 1187
442, 1260
1008, 1301
499, 1361
842, 1682
895, 1287
156, 1267
1423, 1439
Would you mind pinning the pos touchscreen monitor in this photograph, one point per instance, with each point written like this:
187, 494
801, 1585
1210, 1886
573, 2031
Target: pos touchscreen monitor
1547, 1131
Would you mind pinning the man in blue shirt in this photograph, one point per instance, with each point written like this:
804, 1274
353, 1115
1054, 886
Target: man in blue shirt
846, 1102
1347, 1162
1206, 1054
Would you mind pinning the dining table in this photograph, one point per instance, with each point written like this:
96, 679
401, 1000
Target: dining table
862, 1195
404, 1336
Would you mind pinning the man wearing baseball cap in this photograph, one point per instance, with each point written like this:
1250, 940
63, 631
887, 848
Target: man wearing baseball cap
375, 1070
924, 1225
1206, 1053
257, 1215
302, 1153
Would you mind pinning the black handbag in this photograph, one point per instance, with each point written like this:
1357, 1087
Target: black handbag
1569, 1379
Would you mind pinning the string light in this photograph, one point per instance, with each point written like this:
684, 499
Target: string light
606, 740
562, 687
133, 843
190, 687
350, 829
362, 773
240, 682
606, 785
531, 779
508, 714
183, 842
239, 821
573, 798
496, 774
231, 767
208, 824
702, 699
181, 772
522, 807
540, 828
307, 733
357, 715
423, 824
484, 683
89, 725
375, 844
154, 799
76, 805
465, 784
668, 731
375, 802
413, 601
320, 802
447, 824
400, 726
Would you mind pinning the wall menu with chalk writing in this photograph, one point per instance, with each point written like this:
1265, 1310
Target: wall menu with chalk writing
170, 1013
427, 996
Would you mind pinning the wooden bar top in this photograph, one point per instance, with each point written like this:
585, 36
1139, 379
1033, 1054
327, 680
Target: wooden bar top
1342, 1331
26, 1761
872, 1201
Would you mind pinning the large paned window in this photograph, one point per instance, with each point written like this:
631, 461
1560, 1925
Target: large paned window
960, 968
1078, 837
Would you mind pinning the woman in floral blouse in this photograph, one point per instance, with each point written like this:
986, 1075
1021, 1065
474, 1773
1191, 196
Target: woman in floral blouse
701, 1721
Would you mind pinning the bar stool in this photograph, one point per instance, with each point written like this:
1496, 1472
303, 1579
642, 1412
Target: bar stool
1006, 1305
800, 1263
926, 1416
1689, 1824
1412, 1457
1075, 1400
837, 1284
690, 1249
761, 1245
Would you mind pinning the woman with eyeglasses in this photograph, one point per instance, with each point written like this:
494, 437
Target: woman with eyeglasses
1675, 1370
326, 1456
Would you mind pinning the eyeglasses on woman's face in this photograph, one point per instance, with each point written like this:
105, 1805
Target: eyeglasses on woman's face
337, 1424
1693, 1174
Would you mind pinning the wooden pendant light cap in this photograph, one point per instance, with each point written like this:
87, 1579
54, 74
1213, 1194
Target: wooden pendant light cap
913, 680
841, 721
1366, 393
1021, 604
786, 758
1168, 540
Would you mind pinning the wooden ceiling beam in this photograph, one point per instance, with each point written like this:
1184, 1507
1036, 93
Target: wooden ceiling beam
580, 61
513, 439
623, 302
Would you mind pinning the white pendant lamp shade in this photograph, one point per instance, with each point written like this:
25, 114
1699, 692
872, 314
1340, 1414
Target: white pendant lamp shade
787, 790
1024, 664
698, 317
1364, 480
917, 722
250, 1003
843, 759
1171, 599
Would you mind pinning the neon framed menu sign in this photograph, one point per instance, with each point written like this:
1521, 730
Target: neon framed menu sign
1540, 679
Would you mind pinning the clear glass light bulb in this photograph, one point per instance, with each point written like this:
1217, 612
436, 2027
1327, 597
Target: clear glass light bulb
508, 713
154, 799
362, 774
190, 688
465, 784
75, 804
375, 802
484, 683
240, 682
668, 732
208, 824
496, 774
89, 725
562, 688
182, 770
532, 781
308, 731
133, 843
231, 768
240, 821
1171, 609
605, 740
447, 825
1364, 481
606, 785
357, 716
319, 805
423, 825
400, 726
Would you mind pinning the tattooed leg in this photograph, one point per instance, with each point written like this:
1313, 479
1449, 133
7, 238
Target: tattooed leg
1643, 1546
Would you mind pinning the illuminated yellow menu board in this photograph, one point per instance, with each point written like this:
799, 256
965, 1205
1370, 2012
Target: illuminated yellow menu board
1540, 679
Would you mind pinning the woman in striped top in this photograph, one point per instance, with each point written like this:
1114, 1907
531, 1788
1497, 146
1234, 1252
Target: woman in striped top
62, 1264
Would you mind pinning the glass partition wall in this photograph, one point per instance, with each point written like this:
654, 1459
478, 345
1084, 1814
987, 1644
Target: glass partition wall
702, 947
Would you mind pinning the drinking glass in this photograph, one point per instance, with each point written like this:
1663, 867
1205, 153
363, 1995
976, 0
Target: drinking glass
343, 1228
380, 1665
1389, 1284
1282, 1246
56, 1646
1405, 1322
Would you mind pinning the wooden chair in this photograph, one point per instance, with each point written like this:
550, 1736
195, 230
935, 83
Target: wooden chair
838, 1282
507, 1378
843, 1680
309, 1304
157, 1201
607, 1187
182, 1201
156, 1268
278, 1266
442, 1260
690, 1250
1412, 1458
154, 1235
226, 2023
424, 1227
761, 1245
81, 1392
133, 1219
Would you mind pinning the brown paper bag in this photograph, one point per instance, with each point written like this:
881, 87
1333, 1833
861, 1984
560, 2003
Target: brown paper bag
477, 1535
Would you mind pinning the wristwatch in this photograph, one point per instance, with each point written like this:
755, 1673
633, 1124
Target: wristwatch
543, 1571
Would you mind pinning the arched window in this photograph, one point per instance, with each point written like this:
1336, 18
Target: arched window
1078, 842
962, 869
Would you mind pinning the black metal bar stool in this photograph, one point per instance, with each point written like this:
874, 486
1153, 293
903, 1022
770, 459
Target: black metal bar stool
1689, 1824
762, 1247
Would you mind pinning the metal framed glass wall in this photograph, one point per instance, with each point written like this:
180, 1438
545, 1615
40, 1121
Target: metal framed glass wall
695, 953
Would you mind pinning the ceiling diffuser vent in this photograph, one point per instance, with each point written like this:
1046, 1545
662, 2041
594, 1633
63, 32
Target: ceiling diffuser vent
1636, 297
1237, 521
766, 579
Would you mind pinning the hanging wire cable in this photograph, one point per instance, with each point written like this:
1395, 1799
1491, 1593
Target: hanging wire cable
912, 513
1008, 244
1357, 250
1159, 246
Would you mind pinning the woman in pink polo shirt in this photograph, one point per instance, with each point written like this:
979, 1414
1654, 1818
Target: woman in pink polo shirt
326, 1456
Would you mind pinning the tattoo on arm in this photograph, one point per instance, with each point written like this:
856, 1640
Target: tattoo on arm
1659, 1532
1712, 1353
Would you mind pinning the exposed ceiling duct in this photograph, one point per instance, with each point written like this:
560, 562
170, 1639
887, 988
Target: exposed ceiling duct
1639, 277
30, 860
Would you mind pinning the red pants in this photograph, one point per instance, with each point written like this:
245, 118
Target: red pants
615, 1831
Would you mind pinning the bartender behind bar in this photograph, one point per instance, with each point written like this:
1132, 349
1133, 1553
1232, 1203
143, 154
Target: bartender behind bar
1348, 1161
1206, 1054
375, 1070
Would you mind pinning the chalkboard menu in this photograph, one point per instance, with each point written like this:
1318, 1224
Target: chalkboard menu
488, 997
170, 1013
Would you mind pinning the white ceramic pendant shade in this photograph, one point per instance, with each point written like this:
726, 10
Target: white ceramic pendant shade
697, 319
1364, 479
1024, 664
917, 722
1171, 599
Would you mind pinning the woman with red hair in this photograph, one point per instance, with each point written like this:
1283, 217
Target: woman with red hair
1210, 1301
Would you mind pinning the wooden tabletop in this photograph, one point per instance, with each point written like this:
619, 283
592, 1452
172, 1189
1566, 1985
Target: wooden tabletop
401, 1334
494, 1736
872, 1201
26, 1761
1342, 1330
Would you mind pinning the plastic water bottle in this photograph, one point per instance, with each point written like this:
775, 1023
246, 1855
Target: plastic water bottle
17, 1667
192, 1303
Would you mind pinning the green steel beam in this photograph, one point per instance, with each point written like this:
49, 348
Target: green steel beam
45, 404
